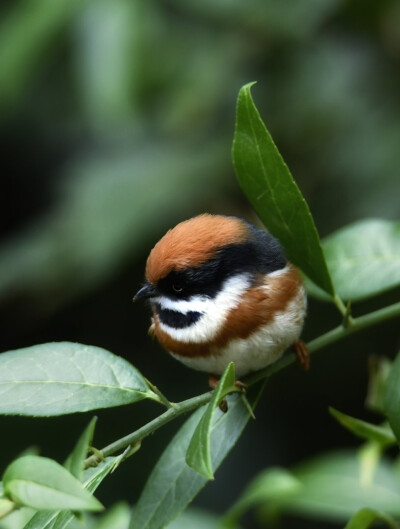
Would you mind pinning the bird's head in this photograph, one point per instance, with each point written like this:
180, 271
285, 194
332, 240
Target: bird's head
202, 267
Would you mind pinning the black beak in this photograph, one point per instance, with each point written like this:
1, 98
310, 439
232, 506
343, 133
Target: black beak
147, 291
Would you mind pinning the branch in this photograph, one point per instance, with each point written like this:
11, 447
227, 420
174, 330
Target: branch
333, 336
180, 408
174, 411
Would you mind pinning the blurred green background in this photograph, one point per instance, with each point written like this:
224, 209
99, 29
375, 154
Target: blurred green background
117, 118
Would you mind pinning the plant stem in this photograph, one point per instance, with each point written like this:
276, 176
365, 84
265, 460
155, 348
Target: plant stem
177, 409
162, 399
340, 305
330, 337
174, 411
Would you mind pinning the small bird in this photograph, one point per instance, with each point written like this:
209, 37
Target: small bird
222, 290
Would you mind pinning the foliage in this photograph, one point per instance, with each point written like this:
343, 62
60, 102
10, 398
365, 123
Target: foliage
365, 249
76, 378
355, 487
269, 186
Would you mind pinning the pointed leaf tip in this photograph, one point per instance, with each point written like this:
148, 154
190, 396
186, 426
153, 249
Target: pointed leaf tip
269, 186
43, 484
198, 455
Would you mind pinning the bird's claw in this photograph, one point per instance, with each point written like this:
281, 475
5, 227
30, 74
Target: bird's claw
302, 353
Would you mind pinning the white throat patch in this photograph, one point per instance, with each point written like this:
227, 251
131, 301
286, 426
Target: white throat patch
213, 310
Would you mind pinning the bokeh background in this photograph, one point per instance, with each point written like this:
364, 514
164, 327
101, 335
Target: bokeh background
117, 119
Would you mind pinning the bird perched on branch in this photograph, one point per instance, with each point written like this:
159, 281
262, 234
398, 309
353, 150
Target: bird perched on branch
222, 290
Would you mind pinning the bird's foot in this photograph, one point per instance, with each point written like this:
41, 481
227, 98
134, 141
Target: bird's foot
302, 353
213, 383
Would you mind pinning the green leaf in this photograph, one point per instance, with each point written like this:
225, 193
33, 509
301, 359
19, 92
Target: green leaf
6, 506
366, 517
336, 485
50, 520
63, 377
379, 368
272, 485
172, 484
363, 259
270, 188
193, 518
332, 486
43, 484
115, 518
92, 477
75, 460
198, 455
382, 435
392, 397
17, 519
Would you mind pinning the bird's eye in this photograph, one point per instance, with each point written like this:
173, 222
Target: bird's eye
177, 288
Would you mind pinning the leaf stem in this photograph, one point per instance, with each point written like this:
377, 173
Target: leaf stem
344, 311
162, 399
180, 408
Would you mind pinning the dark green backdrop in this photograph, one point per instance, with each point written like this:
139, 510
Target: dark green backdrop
116, 122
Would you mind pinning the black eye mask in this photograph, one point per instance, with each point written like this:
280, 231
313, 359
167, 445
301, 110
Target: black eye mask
176, 319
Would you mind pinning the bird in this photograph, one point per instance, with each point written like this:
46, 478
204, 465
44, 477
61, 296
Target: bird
221, 290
